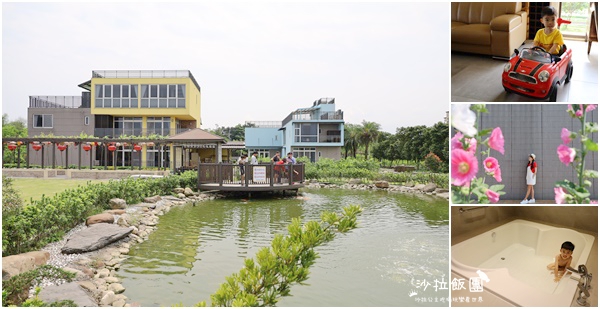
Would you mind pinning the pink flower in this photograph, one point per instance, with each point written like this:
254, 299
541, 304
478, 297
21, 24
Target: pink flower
457, 142
498, 175
496, 140
593, 202
590, 108
493, 196
566, 155
490, 164
566, 136
559, 195
463, 167
579, 113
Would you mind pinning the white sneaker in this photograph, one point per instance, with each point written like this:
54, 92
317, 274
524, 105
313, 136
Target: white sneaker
531, 201
524, 202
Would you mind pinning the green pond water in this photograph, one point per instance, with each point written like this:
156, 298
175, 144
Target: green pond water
400, 248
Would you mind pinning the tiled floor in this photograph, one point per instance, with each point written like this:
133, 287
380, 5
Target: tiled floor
477, 78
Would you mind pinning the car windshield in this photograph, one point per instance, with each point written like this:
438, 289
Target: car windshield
536, 55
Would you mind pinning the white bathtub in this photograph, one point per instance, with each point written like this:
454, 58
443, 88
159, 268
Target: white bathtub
514, 256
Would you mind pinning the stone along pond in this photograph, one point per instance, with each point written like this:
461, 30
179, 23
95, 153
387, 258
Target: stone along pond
399, 248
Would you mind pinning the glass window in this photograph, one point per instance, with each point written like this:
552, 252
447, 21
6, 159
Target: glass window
124, 102
145, 91
99, 91
125, 91
98, 103
162, 93
107, 91
134, 91
181, 91
172, 91
86, 120
38, 121
116, 91
145, 103
181, 103
172, 102
133, 103
153, 91
162, 103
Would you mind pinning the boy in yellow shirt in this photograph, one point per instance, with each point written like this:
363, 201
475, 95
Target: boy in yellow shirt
550, 37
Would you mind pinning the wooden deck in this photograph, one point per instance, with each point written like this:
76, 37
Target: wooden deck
256, 178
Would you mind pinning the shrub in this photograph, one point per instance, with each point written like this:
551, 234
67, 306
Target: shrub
432, 162
16, 289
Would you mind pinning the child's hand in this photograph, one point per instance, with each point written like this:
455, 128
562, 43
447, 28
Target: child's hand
556, 279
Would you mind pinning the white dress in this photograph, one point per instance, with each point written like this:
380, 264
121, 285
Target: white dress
530, 177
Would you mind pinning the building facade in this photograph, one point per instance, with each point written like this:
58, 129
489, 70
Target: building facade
314, 132
122, 104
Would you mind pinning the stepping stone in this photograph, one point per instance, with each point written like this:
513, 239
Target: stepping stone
71, 291
95, 237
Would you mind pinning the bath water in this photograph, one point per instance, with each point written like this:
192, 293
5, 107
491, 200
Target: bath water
398, 256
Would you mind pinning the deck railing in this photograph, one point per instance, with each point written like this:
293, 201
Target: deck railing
260, 174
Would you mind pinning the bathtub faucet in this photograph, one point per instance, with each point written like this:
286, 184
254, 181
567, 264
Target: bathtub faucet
584, 285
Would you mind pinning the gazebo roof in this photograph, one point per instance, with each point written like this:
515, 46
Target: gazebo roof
196, 135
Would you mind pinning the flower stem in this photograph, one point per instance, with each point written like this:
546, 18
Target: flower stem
583, 149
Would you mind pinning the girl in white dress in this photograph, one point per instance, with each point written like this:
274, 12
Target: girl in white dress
530, 178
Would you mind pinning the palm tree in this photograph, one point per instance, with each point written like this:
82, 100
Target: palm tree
368, 133
351, 142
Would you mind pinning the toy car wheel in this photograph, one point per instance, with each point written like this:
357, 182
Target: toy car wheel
553, 93
507, 90
569, 72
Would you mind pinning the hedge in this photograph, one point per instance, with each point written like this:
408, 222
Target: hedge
48, 219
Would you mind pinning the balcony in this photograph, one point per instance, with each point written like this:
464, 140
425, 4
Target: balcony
118, 132
55, 101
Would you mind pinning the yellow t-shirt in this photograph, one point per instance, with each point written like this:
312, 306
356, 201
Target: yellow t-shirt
547, 40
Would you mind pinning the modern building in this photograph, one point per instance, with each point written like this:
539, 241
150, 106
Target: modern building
119, 105
314, 132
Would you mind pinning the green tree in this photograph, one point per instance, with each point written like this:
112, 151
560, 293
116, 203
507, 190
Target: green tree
369, 133
351, 142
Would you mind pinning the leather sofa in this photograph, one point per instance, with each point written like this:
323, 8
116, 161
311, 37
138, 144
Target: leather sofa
489, 28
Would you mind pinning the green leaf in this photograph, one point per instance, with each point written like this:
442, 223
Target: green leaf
591, 145
485, 132
591, 127
479, 108
496, 188
590, 174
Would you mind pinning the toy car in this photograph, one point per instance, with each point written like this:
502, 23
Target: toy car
536, 74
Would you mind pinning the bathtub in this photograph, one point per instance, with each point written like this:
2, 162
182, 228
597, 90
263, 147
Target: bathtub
514, 257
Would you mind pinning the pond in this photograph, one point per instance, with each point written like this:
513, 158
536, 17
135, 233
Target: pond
400, 248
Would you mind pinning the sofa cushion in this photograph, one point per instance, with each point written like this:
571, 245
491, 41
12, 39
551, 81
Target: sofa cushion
506, 22
456, 24
477, 34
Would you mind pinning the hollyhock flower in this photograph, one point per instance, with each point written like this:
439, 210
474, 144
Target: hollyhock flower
559, 195
590, 108
490, 165
463, 119
463, 167
565, 135
496, 140
566, 155
457, 142
579, 113
593, 202
498, 174
493, 196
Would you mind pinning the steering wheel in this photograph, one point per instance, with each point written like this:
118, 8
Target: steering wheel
539, 48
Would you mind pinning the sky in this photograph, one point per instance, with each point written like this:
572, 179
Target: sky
384, 62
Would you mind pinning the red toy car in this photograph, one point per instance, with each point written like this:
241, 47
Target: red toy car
536, 74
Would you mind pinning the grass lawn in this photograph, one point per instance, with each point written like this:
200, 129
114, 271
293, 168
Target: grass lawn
34, 188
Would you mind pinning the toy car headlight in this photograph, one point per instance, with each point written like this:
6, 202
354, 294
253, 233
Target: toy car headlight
543, 76
507, 67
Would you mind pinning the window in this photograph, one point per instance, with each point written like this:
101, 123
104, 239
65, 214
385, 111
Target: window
309, 152
262, 153
86, 120
128, 126
163, 96
159, 125
42, 121
306, 132
116, 96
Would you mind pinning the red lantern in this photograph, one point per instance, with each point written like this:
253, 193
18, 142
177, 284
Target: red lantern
62, 147
12, 147
87, 147
137, 147
112, 148
36, 147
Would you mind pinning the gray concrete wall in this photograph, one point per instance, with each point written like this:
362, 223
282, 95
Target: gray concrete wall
534, 128
78, 174
65, 122
334, 153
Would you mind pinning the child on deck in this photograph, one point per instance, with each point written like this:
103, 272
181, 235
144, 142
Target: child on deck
550, 37
562, 261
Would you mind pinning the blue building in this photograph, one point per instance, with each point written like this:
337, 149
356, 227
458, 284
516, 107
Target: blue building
314, 132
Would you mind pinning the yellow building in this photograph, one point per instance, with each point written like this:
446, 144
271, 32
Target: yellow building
148, 103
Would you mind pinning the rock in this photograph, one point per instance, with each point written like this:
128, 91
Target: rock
382, 184
88, 286
152, 199
95, 237
409, 184
71, 290
124, 220
441, 190
112, 280
430, 187
419, 187
445, 195
13, 265
355, 181
108, 298
181, 195
124, 250
118, 303
100, 218
116, 211
103, 273
117, 288
188, 192
178, 190
78, 273
117, 203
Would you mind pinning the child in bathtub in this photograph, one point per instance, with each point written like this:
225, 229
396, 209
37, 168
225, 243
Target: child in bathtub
562, 261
